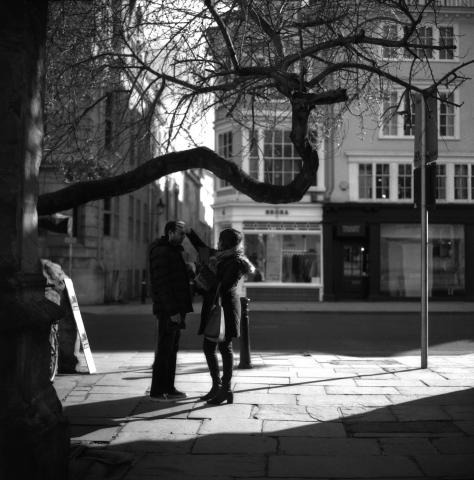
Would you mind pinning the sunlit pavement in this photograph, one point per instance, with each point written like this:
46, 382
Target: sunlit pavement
293, 416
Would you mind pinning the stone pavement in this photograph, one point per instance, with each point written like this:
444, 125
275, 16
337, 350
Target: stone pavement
293, 417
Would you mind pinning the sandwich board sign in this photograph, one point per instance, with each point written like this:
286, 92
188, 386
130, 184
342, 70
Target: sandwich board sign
80, 325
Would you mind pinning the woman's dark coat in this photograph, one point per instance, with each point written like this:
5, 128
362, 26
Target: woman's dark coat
229, 271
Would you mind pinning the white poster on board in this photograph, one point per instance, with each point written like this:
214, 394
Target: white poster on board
80, 325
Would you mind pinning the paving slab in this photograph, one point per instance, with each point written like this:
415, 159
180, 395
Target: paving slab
230, 444
192, 466
292, 428
451, 466
328, 446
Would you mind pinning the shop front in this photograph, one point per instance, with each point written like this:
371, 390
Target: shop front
287, 257
374, 252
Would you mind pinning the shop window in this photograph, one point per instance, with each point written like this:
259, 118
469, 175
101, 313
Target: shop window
400, 263
286, 258
461, 182
224, 149
404, 181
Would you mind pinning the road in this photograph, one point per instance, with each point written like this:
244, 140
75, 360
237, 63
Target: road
355, 334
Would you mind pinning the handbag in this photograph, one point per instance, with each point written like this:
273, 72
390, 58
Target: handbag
214, 329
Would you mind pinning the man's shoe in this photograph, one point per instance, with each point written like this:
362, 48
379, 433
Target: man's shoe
161, 397
174, 394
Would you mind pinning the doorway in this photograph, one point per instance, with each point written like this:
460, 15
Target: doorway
355, 270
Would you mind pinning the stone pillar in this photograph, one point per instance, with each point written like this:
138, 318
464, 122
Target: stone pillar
34, 440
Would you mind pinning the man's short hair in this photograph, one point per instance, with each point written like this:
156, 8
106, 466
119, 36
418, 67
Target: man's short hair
172, 226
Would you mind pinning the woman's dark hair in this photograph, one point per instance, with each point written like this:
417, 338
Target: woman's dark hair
230, 238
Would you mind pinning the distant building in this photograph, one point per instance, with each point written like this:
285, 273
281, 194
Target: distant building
371, 229
106, 251
355, 234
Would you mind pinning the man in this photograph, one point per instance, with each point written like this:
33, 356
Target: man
172, 300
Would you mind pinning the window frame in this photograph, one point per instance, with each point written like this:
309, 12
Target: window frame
404, 55
400, 119
225, 150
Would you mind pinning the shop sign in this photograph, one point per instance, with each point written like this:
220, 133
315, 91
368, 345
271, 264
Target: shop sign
351, 230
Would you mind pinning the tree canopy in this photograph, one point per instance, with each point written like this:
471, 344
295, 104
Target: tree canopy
171, 62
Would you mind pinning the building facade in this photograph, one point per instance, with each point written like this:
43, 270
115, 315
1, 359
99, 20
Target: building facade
371, 229
283, 241
356, 233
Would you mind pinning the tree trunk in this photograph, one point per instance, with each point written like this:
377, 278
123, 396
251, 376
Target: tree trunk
34, 441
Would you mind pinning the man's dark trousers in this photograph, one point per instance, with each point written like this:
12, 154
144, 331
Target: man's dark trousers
164, 367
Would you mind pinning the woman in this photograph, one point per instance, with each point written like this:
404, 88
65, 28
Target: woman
229, 265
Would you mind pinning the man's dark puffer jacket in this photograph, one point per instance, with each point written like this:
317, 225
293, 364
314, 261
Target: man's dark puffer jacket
170, 289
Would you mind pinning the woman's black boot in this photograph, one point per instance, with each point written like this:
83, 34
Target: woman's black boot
212, 392
224, 394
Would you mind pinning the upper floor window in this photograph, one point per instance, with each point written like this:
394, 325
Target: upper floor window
374, 186
461, 182
281, 162
111, 217
404, 181
224, 149
398, 116
440, 182
427, 36
394, 181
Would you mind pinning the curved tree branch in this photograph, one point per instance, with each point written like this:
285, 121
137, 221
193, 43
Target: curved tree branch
201, 157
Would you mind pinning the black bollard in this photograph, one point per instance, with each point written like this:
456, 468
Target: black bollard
245, 360
143, 292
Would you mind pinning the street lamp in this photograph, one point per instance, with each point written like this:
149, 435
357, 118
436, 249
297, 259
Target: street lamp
160, 207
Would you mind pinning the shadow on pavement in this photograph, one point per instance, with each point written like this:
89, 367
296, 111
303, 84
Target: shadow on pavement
352, 438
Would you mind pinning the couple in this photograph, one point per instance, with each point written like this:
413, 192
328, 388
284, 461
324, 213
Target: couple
172, 300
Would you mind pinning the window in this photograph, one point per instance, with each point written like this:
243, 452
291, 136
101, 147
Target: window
108, 120
365, 180
131, 207
440, 182
426, 35
446, 39
253, 156
382, 180
224, 149
138, 219
400, 260
461, 182
390, 32
398, 115
287, 258
107, 217
281, 162
404, 181
146, 223
446, 115
111, 215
